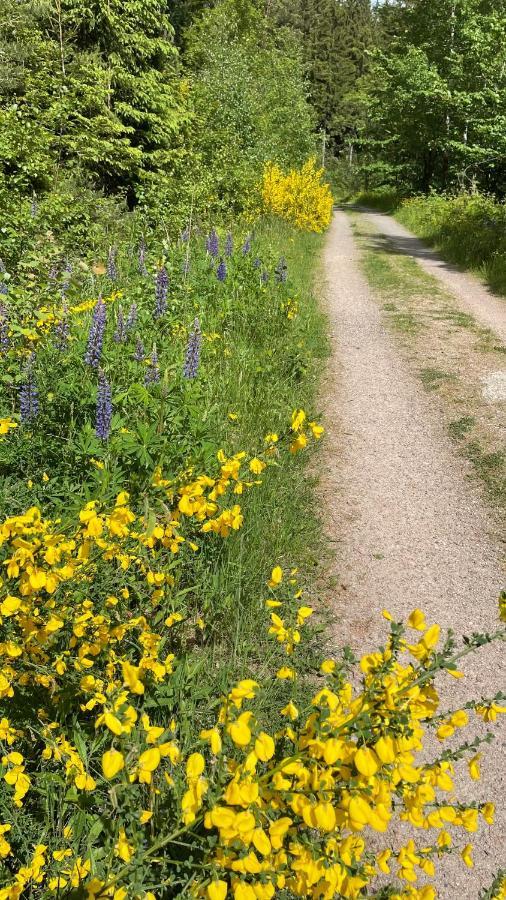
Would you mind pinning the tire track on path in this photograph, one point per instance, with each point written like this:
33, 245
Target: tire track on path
472, 294
410, 530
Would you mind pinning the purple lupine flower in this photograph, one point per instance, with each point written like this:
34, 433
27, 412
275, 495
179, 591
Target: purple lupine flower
264, 277
281, 271
67, 272
192, 359
221, 271
161, 291
246, 247
120, 335
185, 235
229, 245
29, 395
4, 329
62, 330
142, 257
3, 286
132, 317
153, 371
103, 419
96, 334
140, 352
112, 271
257, 262
213, 244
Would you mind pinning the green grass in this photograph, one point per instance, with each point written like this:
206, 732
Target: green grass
432, 379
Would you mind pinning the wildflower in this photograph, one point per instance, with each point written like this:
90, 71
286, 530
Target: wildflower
281, 271
185, 235
246, 247
264, 277
4, 327
6, 424
112, 762
213, 244
257, 262
3, 286
96, 334
186, 266
29, 395
112, 271
104, 408
121, 330
221, 271
62, 330
474, 767
192, 358
123, 848
466, 855
141, 265
140, 352
131, 318
161, 291
229, 245
153, 371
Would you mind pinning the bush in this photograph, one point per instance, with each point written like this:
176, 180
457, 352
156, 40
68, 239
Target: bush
300, 197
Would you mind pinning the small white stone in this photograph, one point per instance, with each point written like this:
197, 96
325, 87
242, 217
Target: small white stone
494, 388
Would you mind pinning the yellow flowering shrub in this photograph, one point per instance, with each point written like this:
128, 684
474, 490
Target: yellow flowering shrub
249, 807
301, 197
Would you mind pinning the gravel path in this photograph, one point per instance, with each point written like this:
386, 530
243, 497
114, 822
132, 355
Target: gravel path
472, 294
408, 527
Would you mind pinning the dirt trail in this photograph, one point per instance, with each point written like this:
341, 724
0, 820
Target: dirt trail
408, 527
472, 294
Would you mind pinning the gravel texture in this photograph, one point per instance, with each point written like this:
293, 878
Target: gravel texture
473, 296
409, 529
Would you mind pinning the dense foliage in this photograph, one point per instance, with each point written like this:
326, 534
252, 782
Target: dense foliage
436, 95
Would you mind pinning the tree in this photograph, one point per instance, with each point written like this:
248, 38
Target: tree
437, 92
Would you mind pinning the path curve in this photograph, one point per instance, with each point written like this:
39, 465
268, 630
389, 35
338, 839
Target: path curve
408, 527
473, 296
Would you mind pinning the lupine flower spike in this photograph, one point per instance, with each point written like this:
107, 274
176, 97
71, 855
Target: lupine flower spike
104, 408
213, 244
229, 245
281, 271
140, 352
3, 285
221, 271
192, 359
121, 330
153, 371
131, 318
29, 395
246, 246
161, 291
96, 334
112, 271
4, 328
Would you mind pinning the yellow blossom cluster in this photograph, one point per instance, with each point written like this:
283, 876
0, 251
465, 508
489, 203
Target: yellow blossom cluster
301, 197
